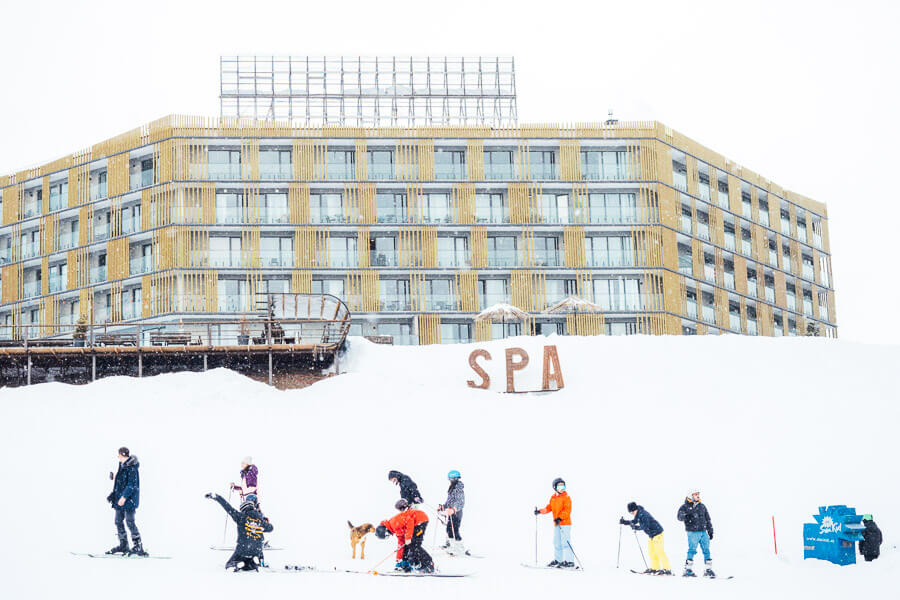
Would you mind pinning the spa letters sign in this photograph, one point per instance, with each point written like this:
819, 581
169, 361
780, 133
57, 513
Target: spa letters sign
516, 360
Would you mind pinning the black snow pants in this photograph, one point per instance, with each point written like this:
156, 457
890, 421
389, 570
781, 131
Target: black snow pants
124, 516
414, 553
453, 524
251, 563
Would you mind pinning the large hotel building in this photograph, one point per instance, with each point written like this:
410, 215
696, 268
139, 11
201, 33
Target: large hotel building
417, 229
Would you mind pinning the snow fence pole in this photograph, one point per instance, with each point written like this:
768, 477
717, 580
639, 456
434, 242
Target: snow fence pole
774, 537
535, 536
575, 555
646, 566
619, 550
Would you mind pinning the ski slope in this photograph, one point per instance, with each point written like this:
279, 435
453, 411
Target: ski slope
761, 426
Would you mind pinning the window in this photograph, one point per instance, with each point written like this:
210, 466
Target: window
679, 175
391, 208
436, 208
751, 281
691, 303
728, 268
498, 164
703, 225
449, 164
453, 251
608, 251
394, 294
382, 252
785, 222
493, 291
456, 333
723, 194
342, 252
131, 219
225, 251
439, 295
686, 219
703, 181
729, 237
101, 225
746, 206
400, 332
685, 260
801, 228
502, 251
131, 303
557, 289
542, 164
275, 164
333, 287
276, 251
491, 208
817, 232
59, 195
554, 209
98, 185
273, 207
326, 208
229, 207
233, 296
619, 294
605, 164
546, 251
381, 164
341, 164
763, 208
612, 208
224, 164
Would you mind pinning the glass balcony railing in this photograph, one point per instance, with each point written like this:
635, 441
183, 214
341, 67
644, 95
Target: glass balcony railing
98, 190
383, 258
487, 300
709, 272
4, 256
746, 248
274, 215
770, 294
729, 242
141, 264
454, 259
233, 303
318, 216
441, 302
131, 310
547, 259
224, 171
807, 308
131, 225
276, 258
703, 189
611, 258
56, 200
32, 209
381, 172
341, 171
773, 257
229, 215
394, 303
226, 258
498, 172
503, 258
542, 171
101, 232
30, 250
67, 240
31, 289
275, 171
55, 284
686, 223
451, 172
691, 309
709, 315
703, 230
729, 280
734, 321
343, 259
751, 327
101, 315
98, 274
808, 272
791, 302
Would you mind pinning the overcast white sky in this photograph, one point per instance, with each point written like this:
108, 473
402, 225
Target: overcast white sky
804, 93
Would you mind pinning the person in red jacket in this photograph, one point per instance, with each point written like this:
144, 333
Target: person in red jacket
561, 506
409, 526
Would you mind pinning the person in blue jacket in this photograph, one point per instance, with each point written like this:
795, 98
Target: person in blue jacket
125, 498
644, 521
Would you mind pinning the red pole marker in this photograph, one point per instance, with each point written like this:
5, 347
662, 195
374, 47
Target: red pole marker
774, 538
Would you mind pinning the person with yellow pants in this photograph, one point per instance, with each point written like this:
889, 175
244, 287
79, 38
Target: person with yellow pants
644, 521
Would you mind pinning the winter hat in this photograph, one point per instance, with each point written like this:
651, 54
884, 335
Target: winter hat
394, 474
454, 474
247, 505
247, 460
867, 518
124, 451
691, 493
557, 481
632, 506
401, 504
381, 532
252, 498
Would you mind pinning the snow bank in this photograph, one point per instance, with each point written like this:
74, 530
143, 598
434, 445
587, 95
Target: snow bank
761, 426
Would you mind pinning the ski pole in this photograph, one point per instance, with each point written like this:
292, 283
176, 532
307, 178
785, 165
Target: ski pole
225, 529
619, 551
646, 566
376, 565
581, 566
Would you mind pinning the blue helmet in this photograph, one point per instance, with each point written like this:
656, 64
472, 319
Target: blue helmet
454, 474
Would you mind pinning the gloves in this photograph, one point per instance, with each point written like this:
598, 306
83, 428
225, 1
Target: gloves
710, 535
622, 521
111, 476
210, 495
557, 521
537, 511
111, 498
417, 500
235, 487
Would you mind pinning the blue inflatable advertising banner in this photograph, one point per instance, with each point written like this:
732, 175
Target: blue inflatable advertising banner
834, 535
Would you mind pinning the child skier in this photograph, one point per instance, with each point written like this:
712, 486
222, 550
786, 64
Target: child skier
561, 506
644, 521
249, 477
409, 526
409, 491
452, 508
124, 498
251, 525
699, 530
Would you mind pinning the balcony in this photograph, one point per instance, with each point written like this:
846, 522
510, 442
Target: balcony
492, 299
542, 172
709, 314
610, 258
394, 303
224, 171
451, 172
56, 200
343, 260
450, 258
30, 289
226, 258
131, 225
341, 171
141, 264
31, 249
284, 258
274, 215
770, 294
234, 303
498, 172
101, 232
734, 321
441, 302
503, 258
691, 309
67, 240
131, 310
55, 284
276, 171
751, 327
383, 258
380, 172
809, 272
32, 209
547, 259
98, 274
729, 280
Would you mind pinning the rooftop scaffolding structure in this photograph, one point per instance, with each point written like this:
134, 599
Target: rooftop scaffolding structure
389, 91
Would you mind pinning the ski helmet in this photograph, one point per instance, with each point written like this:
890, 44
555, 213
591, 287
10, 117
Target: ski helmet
401, 504
454, 474
381, 532
248, 505
252, 498
557, 481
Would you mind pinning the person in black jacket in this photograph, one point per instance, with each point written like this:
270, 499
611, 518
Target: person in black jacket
409, 491
125, 498
251, 525
870, 545
643, 521
699, 530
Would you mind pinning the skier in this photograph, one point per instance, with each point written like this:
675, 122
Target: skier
409, 491
452, 508
251, 525
870, 545
409, 526
644, 521
124, 498
561, 506
249, 477
699, 530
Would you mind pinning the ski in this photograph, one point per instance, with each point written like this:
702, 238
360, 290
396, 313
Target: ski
466, 555
546, 568
652, 574
231, 548
130, 556
314, 569
684, 576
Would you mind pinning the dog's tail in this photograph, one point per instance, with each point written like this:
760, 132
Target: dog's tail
349, 524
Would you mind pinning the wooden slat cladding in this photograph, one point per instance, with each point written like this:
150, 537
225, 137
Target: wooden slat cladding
359, 202
570, 160
250, 159
463, 203
156, 206
117, 266
585, 324
475, 159
429, 326
309, 160
301, 281
117, 176
467, 290
362, 160
415, 160
524, 202
528, 289
311, 246
298, 203
362, 291
12, 282
573, 246
479, 247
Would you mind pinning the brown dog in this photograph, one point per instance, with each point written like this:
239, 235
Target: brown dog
358, 536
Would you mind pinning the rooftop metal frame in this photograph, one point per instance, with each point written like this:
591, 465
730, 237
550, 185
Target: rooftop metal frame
394, 91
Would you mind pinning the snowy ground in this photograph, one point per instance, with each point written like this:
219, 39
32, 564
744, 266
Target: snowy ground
760, 426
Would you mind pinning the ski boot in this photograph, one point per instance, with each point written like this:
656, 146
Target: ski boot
402, 566
553, 563
689, 569
428, 570
138, 549
708, 572
566, 565
650, 572
664, 572
122, 548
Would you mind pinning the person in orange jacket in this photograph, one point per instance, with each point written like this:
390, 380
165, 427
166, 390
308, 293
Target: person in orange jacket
409, 526
561, 506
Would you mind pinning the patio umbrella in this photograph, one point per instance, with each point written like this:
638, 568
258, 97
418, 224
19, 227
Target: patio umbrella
502, 311
573, 304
